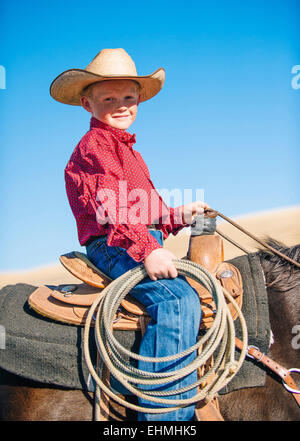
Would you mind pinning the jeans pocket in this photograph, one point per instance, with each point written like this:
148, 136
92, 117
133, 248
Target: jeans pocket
95, 247
114, 251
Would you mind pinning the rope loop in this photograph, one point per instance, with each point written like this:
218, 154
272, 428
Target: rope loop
218, 340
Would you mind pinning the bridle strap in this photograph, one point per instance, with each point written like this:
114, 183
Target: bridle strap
281, 371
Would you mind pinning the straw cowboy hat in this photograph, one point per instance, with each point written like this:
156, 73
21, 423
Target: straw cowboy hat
108, 64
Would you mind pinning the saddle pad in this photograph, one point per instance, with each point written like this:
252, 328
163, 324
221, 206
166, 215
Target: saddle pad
42, 350
49, 352
256, 312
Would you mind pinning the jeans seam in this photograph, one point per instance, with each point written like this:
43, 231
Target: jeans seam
178, 303
109, 259
120, 251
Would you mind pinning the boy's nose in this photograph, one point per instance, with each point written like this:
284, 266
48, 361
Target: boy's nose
122, 107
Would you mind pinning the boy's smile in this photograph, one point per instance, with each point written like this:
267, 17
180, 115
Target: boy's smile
114, 102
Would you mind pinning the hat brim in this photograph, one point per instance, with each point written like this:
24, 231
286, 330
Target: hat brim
67, 87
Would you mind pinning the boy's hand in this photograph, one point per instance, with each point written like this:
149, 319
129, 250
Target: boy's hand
189, 211
159, 264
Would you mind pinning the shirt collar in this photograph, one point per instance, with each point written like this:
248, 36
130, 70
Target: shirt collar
121, 135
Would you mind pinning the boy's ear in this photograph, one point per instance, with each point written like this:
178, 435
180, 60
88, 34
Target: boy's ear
85, 103
139, 100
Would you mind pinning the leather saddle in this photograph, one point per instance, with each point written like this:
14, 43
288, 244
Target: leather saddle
70, 303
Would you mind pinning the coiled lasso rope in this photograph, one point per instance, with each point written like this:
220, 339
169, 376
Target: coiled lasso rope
220, 338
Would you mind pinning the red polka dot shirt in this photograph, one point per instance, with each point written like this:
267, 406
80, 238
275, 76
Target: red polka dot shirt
110, 192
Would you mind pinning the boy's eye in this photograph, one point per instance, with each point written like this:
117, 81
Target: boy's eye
111, 99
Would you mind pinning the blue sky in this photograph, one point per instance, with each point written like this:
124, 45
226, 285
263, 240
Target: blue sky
226, 121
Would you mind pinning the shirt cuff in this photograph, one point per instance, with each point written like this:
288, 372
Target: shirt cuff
139, 252
176, 220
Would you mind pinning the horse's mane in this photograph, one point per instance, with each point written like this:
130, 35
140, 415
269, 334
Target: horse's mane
279, 273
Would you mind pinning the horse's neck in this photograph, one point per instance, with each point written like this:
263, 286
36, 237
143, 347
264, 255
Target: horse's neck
284, 319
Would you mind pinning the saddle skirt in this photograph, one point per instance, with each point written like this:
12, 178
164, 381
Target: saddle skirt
71, 303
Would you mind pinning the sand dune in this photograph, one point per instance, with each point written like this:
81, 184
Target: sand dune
282, 224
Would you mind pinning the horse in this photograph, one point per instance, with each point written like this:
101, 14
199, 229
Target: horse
25, 400
273, 402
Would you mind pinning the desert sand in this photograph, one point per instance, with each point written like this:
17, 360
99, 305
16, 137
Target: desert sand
282, 224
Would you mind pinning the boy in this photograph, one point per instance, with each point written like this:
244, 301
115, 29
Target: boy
120, 231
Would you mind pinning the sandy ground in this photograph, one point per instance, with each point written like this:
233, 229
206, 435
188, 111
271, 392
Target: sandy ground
282, 224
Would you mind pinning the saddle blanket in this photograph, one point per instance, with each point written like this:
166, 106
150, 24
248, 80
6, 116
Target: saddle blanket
49, 352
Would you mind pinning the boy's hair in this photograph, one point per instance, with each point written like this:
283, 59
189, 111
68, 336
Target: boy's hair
88, 90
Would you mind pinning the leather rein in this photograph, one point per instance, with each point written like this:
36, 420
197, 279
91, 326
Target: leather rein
213, 213
252, 351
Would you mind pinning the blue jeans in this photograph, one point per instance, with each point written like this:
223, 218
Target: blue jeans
176, 313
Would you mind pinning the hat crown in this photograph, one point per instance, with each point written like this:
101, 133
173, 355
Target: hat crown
107, 64
112, 62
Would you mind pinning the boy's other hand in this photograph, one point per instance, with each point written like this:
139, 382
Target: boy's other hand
189, 211
159, 265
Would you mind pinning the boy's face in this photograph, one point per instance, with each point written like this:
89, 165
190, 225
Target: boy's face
114, 102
